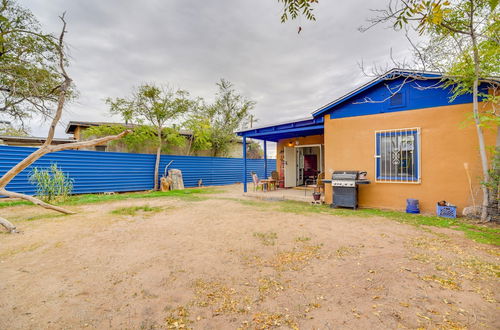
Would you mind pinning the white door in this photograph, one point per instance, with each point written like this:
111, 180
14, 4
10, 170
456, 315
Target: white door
290, 167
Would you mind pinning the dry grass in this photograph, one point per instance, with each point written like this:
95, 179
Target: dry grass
445, 283
277, 283
133, 210
223, 298
21, 249
178, 319
478, 267
268, 320
345, 251
270, 285
295, 259
268, 238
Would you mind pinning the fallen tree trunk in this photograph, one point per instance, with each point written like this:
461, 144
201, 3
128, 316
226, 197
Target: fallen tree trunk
35, 201
7, 177
9, 226
47, 147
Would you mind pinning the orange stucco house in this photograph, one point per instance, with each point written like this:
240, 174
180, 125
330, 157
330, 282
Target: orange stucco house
403, 129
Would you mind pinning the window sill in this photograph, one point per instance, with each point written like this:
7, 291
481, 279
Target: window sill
414, 181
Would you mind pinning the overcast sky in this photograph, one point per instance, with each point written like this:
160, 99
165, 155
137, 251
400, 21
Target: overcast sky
191, 44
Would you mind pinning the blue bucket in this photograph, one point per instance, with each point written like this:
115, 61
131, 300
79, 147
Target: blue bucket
412, 206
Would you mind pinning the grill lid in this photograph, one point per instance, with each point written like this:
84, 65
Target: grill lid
345, 175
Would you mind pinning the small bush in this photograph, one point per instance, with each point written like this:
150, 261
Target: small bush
51, 183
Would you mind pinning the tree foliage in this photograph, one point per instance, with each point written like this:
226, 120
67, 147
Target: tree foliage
462, 41
141, 139
9, 130
17, 68
254, 150
229, 112
29, 78
295, 8
200, 129
154, 107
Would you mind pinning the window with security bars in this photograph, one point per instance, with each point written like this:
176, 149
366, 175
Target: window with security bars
397, 157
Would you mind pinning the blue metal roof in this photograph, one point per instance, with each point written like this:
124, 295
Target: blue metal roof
304, 127
389, 75
421, 92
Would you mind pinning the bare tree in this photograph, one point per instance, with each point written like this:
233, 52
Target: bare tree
47, 147
461, 41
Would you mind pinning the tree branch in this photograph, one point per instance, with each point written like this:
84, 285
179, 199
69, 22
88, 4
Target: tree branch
47, 147
35, 201
88, 143
64, 86
7, 177
8, 225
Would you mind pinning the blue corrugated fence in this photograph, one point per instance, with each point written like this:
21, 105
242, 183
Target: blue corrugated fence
94, 171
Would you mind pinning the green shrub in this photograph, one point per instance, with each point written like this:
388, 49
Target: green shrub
51, 183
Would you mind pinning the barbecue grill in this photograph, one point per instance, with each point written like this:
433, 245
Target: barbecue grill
345, 188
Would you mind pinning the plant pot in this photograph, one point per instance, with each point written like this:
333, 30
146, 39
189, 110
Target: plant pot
316, 196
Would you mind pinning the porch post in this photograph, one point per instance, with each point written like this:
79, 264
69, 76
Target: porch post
244, 164
265, 159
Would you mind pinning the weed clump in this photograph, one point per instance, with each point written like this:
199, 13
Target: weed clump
267, 239
133, 210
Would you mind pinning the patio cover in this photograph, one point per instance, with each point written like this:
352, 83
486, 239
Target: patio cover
276, 132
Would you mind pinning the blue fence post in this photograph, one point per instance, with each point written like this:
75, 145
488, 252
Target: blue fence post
244, 164
265, 159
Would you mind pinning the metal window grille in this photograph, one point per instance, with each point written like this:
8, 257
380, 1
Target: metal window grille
397, 155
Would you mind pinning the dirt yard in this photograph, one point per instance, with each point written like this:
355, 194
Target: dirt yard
217, 262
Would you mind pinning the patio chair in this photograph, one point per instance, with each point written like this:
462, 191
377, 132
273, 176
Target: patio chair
275, 176
319, 184
256, 182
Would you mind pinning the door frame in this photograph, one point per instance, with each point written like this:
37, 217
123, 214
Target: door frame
320, 146
320, 164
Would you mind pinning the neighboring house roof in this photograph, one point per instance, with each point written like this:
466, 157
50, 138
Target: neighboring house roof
31, 140
72, 125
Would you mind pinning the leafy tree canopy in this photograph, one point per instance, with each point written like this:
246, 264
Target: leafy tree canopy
229, 112
294, 8
9, 130
29, 78
154, 106
142, 139
461, 39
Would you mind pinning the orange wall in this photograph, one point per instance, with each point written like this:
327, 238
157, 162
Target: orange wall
313, 139
447, 142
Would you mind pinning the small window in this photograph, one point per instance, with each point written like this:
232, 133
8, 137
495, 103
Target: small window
397, 155
100, 148
396, 100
